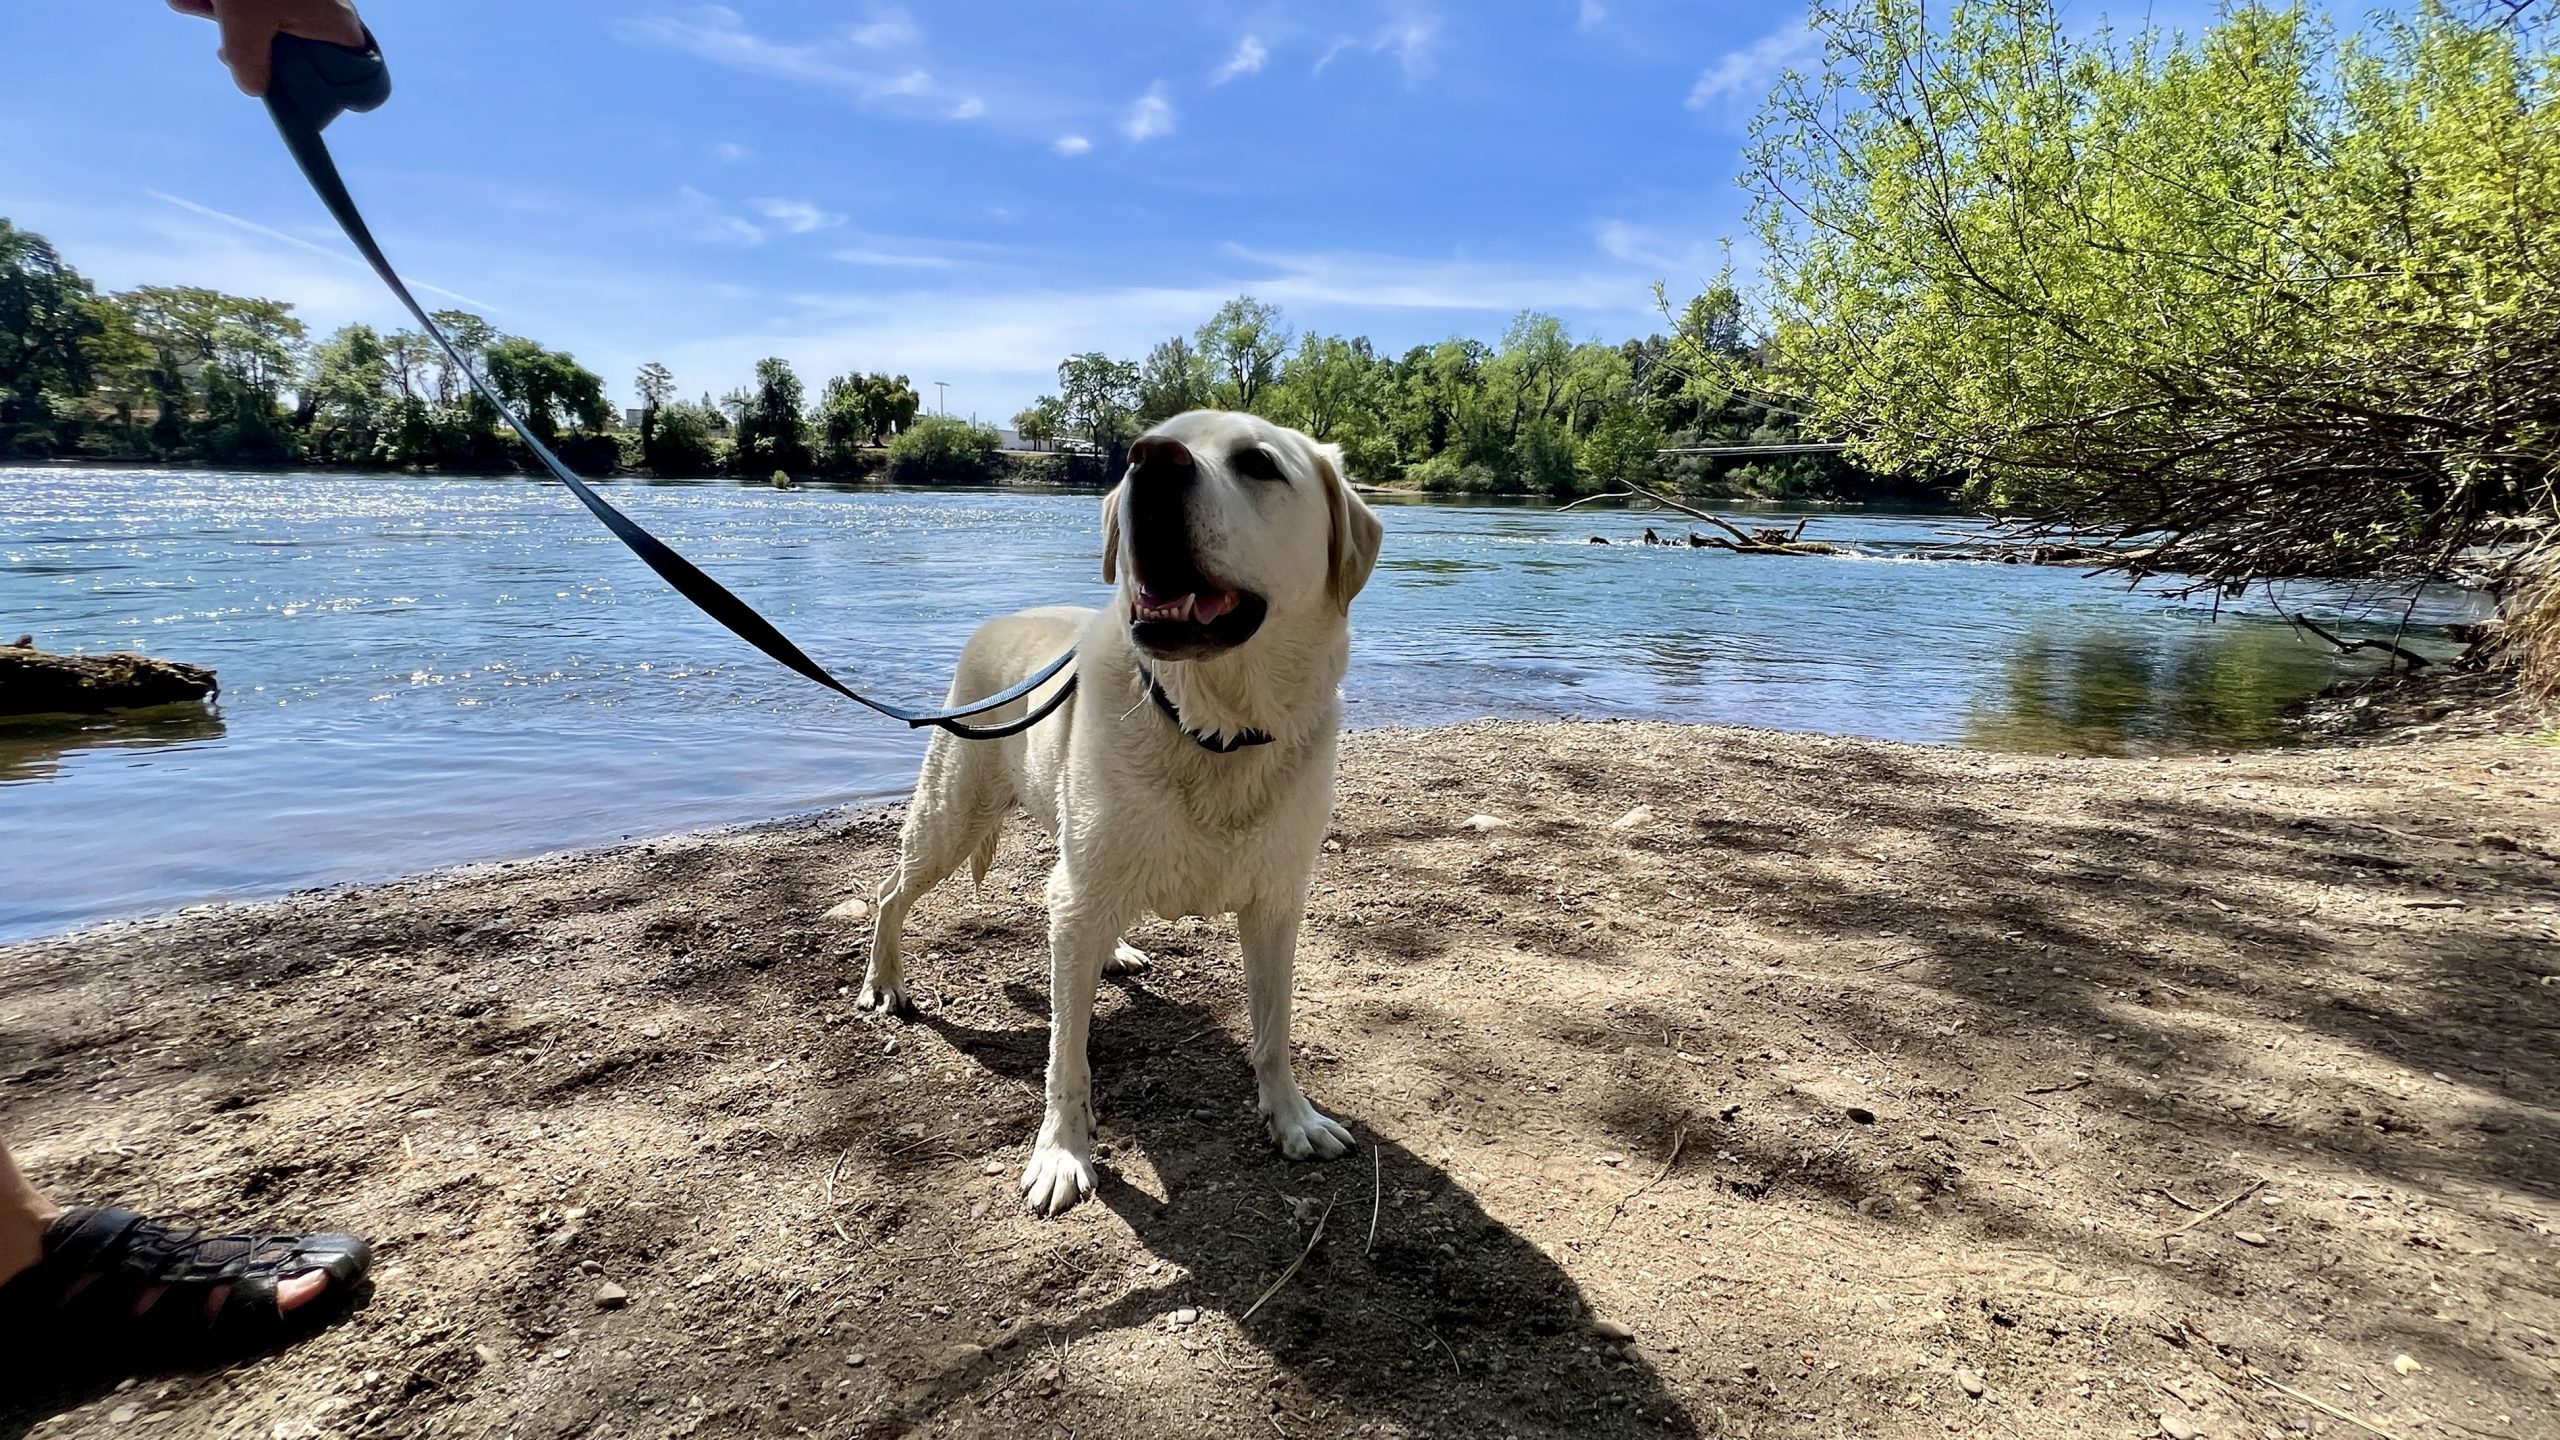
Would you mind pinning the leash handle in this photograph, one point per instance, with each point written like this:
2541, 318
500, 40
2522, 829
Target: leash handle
319, 81
313, 83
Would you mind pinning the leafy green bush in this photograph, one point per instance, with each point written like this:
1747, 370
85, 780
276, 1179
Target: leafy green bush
1446, 474
938, 447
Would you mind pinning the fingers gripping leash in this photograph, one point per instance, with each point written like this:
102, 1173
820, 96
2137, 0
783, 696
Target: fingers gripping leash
315, 82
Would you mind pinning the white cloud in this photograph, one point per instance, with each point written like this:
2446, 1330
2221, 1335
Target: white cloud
892, 26
893, 260
719, 35
731, 153
1745, 75
797, 217
1250, 53
1593, 12
1151, 117
1072, 145
969, 108
343, 257
707, 219
1410, 40
1670, 258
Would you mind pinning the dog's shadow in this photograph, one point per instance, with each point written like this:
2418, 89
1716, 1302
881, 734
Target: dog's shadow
1447, 1322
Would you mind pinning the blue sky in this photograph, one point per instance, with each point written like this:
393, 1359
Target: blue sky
962, 192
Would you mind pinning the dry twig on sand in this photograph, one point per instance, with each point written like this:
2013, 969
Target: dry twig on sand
1679, 1142
1293, 1265
1377, 1189
2245, 1191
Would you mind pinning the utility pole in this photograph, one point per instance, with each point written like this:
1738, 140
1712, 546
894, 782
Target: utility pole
941, 397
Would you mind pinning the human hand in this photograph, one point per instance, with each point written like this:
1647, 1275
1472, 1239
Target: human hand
250, 28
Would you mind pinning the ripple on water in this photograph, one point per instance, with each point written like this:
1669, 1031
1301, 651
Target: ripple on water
426, 671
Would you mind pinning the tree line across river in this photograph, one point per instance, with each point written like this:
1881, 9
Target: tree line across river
181, 373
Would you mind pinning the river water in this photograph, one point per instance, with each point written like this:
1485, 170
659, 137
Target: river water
419, 672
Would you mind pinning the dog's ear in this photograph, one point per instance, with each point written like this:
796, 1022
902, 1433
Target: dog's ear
1353, 549
1111, 536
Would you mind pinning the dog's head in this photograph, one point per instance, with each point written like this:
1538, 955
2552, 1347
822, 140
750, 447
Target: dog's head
1225, 522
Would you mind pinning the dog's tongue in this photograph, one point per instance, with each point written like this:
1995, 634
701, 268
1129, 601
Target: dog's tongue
1205, 608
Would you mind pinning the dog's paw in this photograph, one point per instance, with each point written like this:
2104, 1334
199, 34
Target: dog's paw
1305, 1133
887, 997
1126, 959
1056, 1178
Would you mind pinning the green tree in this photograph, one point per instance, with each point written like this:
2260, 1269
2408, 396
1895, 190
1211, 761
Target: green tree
350, 394
1098, 399
656, 385
1040, 422
687, 440
772, 430
1175, 378
1242, 345
939, 447
2273, 300
546, 388
46, 314
259, 342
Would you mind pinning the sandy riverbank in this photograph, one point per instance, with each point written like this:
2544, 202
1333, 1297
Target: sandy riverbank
1851, 1079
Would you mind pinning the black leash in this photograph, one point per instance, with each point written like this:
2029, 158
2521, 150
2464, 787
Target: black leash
315, 82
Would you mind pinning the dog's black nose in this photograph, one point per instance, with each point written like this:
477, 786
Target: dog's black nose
1155, 460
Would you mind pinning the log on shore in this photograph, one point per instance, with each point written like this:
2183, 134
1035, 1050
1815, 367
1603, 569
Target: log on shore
33, 682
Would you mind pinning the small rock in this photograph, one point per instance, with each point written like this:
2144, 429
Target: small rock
891, 1048
1204, 1113
2177, 1426
992, 1167
1970, 1382
123, 1414
850, 910
1613, 1159
610, 1296
1614, 1331
857, 1360
590, 1267
653, 1032
2249, 1237
2406, 1364
1640, 816
977, 1209
1186, 1316
1484, 824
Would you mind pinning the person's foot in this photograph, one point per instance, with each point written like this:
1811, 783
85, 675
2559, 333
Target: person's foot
156, 1286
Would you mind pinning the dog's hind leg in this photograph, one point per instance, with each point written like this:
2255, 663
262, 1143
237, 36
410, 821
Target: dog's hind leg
956, 816
1126, 959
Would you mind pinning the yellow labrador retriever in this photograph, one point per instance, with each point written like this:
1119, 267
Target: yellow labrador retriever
1192, 774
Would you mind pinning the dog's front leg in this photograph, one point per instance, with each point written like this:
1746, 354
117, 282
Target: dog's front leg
1080, 940
1270, 935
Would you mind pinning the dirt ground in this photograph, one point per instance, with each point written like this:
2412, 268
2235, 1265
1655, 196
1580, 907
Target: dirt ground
1873, 1090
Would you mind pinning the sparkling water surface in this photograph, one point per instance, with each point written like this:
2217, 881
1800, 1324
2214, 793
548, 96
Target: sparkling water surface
419, 672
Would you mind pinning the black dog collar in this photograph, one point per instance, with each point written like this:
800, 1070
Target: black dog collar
1217, 745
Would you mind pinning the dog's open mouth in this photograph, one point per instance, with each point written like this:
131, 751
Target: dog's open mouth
1185, 615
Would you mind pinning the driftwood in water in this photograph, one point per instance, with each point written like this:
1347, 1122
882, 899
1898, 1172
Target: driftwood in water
35, 683
1744, 542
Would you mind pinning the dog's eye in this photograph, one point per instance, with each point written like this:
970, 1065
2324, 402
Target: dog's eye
1255, 463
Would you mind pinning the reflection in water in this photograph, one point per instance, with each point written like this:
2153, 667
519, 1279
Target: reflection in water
2111, 693
36, 749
